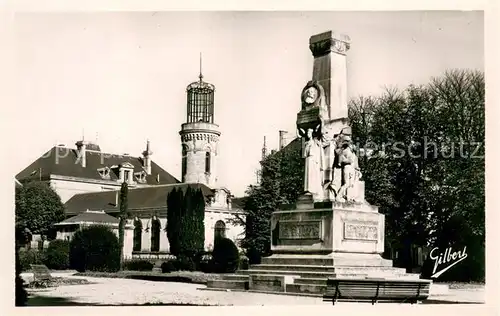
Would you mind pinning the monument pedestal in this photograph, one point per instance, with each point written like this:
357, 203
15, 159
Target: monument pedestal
331, 228
312, 242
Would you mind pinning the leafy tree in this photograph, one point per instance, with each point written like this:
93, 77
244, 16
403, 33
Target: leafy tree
174, 205
421, 152
432, 132
281, 183
38, 207
124, 215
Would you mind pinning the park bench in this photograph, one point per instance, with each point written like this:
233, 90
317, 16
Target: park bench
375, 290
41, 272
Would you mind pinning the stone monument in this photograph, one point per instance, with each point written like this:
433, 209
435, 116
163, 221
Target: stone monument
331, 217
331, 231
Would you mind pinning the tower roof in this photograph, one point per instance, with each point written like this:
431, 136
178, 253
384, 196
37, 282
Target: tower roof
202, 86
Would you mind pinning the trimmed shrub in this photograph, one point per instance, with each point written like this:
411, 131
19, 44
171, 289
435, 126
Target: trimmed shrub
29, 257
225, 256
184, 263
244, 262
168, 266
95, 248
138, 265
254, 256
57, 255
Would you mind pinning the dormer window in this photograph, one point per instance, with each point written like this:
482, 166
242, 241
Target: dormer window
104, 173
140, 176
126, 171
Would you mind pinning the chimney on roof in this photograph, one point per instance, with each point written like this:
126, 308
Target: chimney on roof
146, 162
81, 147
282, 139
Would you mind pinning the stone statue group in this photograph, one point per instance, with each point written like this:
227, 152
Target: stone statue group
331, 166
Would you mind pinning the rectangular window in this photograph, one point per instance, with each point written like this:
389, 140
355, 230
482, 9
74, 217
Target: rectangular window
207, 162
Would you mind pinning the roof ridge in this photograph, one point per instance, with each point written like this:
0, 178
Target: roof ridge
141, 188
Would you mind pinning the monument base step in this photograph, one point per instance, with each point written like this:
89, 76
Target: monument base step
306, 288
336, 269
308, 274
334, 259
236, 277
228, 284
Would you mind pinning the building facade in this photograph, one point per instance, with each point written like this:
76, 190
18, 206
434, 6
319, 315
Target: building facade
85, 168
88, 182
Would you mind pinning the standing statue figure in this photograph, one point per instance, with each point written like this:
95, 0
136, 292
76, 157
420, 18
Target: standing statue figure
313, 155
348, 163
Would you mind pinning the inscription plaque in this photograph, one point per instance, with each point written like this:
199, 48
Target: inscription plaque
360, 231
300, 230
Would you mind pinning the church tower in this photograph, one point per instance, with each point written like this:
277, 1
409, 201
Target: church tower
200, 135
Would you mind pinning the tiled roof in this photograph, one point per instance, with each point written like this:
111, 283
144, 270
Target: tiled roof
91, 217
238, 203
62, 161
139, 198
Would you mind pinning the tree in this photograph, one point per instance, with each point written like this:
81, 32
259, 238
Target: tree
281, 183
432, 132
421, 152
124, 215
185, 222
38, 207
174, 205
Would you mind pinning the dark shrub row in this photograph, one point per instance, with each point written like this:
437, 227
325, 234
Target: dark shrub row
138, 265
96, 249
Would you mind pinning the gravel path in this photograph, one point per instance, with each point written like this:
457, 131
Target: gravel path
111, 291
126, 291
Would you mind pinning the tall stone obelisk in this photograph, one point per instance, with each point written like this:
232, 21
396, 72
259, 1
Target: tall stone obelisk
330, 70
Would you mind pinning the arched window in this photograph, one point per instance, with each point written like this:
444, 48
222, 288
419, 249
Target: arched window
137, 235
207, 162
155, 235
219, 230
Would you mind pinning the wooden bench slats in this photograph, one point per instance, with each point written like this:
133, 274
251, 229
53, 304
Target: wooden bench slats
40, 272
376, 290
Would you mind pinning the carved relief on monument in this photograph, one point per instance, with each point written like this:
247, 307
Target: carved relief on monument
311, 229
313, 96
358, 231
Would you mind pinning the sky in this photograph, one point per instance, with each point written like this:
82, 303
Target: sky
120, 78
